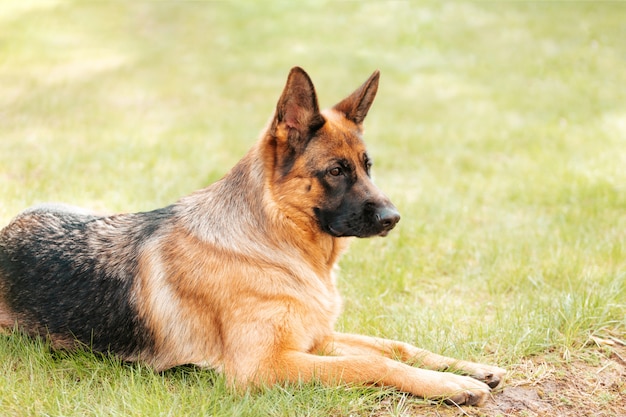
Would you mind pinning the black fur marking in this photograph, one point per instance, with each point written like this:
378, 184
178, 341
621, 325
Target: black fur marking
70, 275
367, 164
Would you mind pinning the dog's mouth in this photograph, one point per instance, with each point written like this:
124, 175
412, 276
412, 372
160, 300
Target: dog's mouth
361, 232
334, 232
338, 226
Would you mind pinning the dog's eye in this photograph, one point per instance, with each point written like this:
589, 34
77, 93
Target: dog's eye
335, 172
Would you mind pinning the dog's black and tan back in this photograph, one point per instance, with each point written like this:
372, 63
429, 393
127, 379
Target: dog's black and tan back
238, 276
69, 275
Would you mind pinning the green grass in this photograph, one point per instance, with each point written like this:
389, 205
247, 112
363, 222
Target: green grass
499, 132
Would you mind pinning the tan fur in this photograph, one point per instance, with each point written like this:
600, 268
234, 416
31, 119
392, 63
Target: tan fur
7, 318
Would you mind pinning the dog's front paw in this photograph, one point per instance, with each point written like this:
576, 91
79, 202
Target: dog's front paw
463, 390
490, 375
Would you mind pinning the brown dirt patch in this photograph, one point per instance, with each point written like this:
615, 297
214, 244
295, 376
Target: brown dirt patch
556, 385
593, 384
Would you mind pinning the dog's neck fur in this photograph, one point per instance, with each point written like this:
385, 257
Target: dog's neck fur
256, 211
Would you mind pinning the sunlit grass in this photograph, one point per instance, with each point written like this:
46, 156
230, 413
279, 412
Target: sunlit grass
498, 131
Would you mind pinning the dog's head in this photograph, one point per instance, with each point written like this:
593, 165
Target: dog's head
319, 165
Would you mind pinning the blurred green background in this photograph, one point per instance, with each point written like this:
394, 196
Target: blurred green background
130, 104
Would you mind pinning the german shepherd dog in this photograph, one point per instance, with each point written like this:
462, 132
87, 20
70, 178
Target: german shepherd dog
238, 276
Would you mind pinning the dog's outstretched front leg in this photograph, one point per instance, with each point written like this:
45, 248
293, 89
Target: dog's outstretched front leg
352, 344
296, 366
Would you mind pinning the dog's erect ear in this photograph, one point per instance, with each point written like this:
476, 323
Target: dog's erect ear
357, 104
298, 110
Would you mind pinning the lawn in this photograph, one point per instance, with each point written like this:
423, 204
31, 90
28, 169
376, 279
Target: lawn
499, 131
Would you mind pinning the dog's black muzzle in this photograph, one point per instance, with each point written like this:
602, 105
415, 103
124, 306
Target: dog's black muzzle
365, 220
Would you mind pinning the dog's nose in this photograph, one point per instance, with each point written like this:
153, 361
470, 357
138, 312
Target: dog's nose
387, 218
